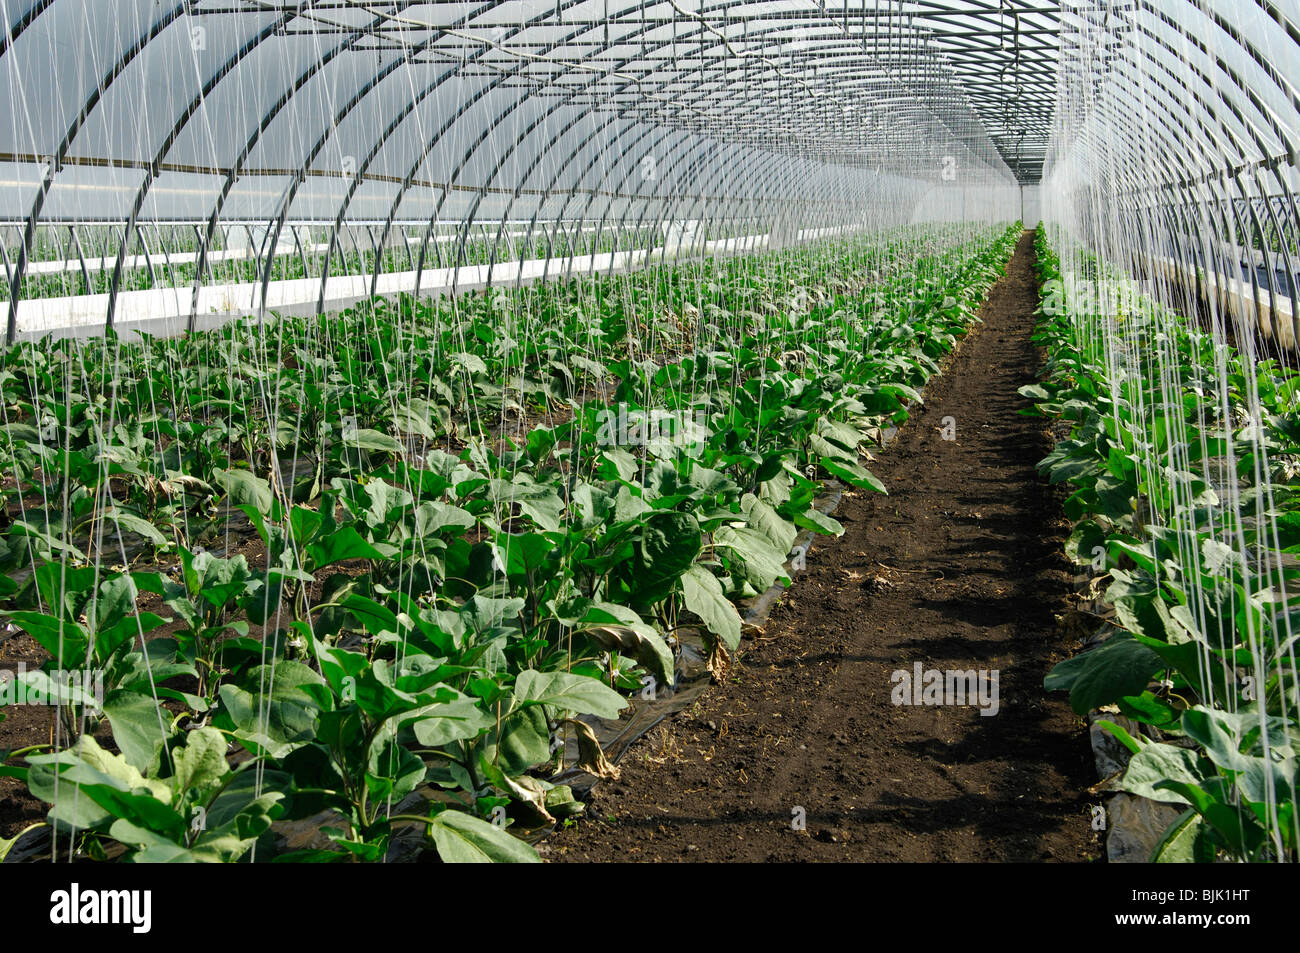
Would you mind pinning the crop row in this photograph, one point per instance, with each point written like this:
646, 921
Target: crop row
1182, 459
298, 258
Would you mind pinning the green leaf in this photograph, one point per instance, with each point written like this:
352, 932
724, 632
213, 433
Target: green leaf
134, 524
617, 628
279, 712
51, 541
139, 725
1235, 826
433, 517
413, 417
1145, 614
751, 554
523, 554
703, 595
377, 619
373, 440
440, 724
393, 771
846, 435
115, 600
202, 760
1188, 659
243, 487
524, 740
1149, 709
540, 503
54, 777
854, 475
818, 522
1156, 764
1119, 667
1180, 844
464, 839
1127, 740
7, 843
65, 641
568, 692
767, 521
1086, 542
154, 815
669, 543
66, 588
343, 544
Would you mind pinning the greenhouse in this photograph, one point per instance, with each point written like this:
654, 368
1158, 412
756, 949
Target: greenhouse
671, 430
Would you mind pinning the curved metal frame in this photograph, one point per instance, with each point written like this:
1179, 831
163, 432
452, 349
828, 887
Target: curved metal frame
1206, 99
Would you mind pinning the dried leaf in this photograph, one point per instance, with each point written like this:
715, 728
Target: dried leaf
591, 757
719, 662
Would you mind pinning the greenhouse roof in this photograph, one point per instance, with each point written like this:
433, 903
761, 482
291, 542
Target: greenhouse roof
772, 118
266, 87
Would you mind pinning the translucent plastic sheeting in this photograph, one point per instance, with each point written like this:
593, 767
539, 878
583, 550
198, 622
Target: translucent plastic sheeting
1174, 154
627, 124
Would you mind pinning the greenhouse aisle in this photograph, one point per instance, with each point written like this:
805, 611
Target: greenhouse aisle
803, 754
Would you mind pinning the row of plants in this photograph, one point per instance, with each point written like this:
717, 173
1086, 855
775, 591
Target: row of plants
323, 563
293, 262
1182, 460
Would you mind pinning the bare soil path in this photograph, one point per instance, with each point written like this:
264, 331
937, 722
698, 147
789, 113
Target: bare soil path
959, 568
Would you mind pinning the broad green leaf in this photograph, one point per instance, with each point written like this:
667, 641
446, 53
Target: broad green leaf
703, 595
568, 692
1087, 542
1119, 667
65, 641
434, 517
1157, 763
243, 487
344, 543
1180, 844
61, 779
139, 727
617, 628
752, 554
524, 740
279, 712
464, 839
376, 618
767, 521
201, 761
854, 475
134, 524
373, 440
818, 522
669, 543
440, 724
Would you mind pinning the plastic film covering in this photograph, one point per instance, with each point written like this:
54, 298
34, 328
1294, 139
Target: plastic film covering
1174, 157
166, 161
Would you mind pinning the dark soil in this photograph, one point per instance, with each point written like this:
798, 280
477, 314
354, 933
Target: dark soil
22, 725
960, 567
